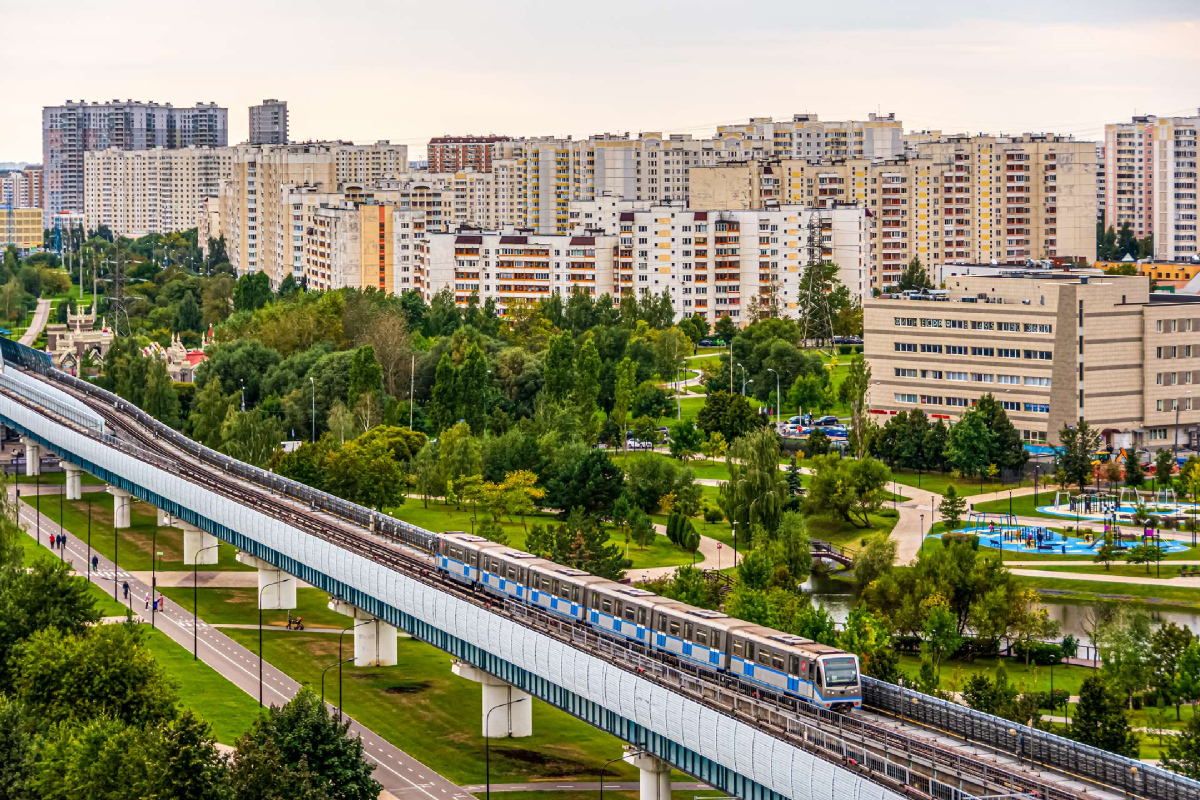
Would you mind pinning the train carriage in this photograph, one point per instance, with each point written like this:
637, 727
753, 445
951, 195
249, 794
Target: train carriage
624, 610
695, 634
505, 572
460, 555
560, 589
823, 675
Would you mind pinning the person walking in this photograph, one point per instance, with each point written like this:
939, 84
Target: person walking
147, 601
125, 588
95, 562
162, 603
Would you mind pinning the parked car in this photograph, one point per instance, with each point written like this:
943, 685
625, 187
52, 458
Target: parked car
711, 343
826, 422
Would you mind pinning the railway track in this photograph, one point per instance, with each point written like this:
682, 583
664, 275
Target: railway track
868, 744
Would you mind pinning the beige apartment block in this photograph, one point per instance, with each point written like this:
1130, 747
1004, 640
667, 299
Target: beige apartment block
449, 200
807, 137
21, 228
1054, 347
951, 199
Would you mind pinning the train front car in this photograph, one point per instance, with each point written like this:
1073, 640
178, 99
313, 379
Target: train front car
796, 666
840, 685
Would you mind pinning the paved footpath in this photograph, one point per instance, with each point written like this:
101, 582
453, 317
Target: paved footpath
401, 775
41, 315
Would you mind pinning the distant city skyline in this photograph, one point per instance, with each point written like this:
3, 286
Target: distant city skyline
527, 68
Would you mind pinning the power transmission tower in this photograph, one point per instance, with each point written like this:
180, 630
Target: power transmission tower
815, 313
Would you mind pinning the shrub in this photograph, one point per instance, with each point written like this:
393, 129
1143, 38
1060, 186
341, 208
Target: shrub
845, 349
713, 514
1041, 653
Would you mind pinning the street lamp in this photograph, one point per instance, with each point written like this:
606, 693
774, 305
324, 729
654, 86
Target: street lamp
777, 403
260, 643
244, 395
487, 750
743, 379
89, 556
62, 551
735, 545
153, 573
331, 666
604, 768
196, 602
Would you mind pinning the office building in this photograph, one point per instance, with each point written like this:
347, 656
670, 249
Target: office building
20, 228
725, 262
1054, 347
461, 153
269, 122
22, 188
517, 266
973, 199
75, 128
136, 192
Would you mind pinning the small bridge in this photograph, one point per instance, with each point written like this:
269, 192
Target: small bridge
831, 552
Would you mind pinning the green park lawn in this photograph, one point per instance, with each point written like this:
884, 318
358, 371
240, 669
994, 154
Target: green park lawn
202, 689
1092, 591
53, 479
938, 483
136, 543
1031, 679
238, 606
390, 700
441, 517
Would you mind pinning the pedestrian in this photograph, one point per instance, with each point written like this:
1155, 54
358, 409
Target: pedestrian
125, 588
95, 562
162, 604
147, 601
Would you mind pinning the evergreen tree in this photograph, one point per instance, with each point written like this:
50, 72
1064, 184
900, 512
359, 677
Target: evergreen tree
289, 286
444, 403
914, 277
1100, 719
474, 389
188, 316
1078, 449
1135, 470
208, 414
559, 371
587, 384
160, 399
952, 507
1007, 450
366, 376
252, 291
626, 383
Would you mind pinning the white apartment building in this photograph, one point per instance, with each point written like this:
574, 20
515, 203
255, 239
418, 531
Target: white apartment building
517, 266
449, 200
719, 263
1150, 165
369, 163
136, 192
809, 138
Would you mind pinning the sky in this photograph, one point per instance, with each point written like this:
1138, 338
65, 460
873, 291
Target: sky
405, 71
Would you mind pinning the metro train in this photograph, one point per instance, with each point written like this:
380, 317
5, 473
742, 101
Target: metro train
792, 665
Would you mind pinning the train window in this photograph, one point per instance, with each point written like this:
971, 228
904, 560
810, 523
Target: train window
662, 622
641, 616
737, 647
575, 594
673, 628
617, 606
554, 586
795, 670
606, 606
630, 613
687, 630
702, 638
566, 591
716, 640
764, 657
777, 662
512, 573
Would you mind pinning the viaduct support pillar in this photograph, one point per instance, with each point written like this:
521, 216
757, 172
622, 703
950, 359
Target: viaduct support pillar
74, 481
121, 506
165, 520
655, 776
374, 639
33, 457
515, 720
199, 547
276, 589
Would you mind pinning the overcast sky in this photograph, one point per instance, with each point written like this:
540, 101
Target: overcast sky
406, 71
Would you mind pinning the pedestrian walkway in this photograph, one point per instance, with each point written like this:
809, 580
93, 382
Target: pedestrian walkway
403, 776
41, 315
586, 786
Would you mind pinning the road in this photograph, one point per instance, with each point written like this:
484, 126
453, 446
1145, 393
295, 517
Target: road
401, 775
41, 316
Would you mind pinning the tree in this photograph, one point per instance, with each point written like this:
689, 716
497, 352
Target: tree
289, 287
914, 277
188, 316
1100, 720
1031, 622
1077, 451
868, 637
939, 632
1164, 463
1167, 646
190, 766
365, 473
160, 399
44, 595
250, 436
1135, 471
970, 444
366, 376
208, 414
1106, 553
559, 370
427, 468
952, 507
586, 390
474, 389
252, 291
1123, 641
444, 404
756, 491
1183, 750
303, 733
592, 482
1008, 451
626, 382
730, 415
873, 559
519, 492
686, 440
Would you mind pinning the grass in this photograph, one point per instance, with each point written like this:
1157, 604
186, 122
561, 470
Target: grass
1032, 678
1094, 591
239, 606
938, 482
700, 467
202, 689
434, 716
137, 542
55, 479
441, 517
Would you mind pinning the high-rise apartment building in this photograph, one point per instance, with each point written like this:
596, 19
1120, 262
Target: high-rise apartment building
20, 228
1052, 347
369, 163
367, 245
722, 263
448, 200
22, 188
1150, 166
70, 130
807, 137
952, 198
269, 122
136, 192
1101, 184
460, 153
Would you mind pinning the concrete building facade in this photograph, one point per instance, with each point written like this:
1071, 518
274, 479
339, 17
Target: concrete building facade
72, 129
808, 138
1053, 347
269, 122
22, 188
21, 228
461, 153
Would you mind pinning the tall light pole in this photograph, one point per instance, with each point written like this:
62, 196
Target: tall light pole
331, 666
487, 750
777, 402
313, 381
604, 768
260, 643
243, 395
196, 602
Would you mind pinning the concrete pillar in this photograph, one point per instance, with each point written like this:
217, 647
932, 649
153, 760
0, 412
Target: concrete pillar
196, 541
515, 720
655, 776
74, 481
165, 520
121, 504
33, 457
374, 639
276, 589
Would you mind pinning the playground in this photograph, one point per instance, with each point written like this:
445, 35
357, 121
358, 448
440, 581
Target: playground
1002, 532
1119, 508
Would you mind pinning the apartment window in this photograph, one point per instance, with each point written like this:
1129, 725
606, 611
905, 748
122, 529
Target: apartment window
931, 348
1008, 352
1035, 381
1038, 327
956, 350
906, 347
901, 397
1187, 351
1158, 433
989, 352
983, 325
960, 324
1010, 405
1158, 405
1038, 408
1012, 379
1038, 355
935, 374
1009, 327
905, 373
1158, 380
930, 400
906, 322
930, 323
961, 402
957, 376
983, 377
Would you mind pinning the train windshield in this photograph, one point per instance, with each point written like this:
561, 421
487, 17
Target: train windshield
840, 672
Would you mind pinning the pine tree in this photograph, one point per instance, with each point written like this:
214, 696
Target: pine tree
559, 371
160, 399
587, 384
443, 405
1100, 719
188, 316
952, 507
474, 389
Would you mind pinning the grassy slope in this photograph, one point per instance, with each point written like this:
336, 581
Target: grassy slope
238, 606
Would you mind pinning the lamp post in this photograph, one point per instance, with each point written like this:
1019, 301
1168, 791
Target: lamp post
343, 661
331, 666
735, 545
62, 551
153, 573
1036, 468
196, 602
37, 483
313, 381
743, 379
487, 750
604, 768
89, 556
1010, 505
777, 401
116, 541
260, 641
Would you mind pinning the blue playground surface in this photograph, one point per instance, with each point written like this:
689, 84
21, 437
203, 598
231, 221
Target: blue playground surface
1031, 539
